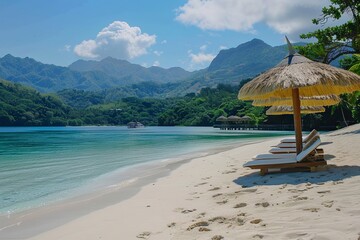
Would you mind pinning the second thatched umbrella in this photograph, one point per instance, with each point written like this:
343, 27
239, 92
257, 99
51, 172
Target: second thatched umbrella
281, 110
296, 76
327, 100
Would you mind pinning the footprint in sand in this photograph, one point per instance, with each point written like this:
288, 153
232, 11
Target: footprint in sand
264, 204
170, 225
228, 172
217, 195
250, 190
256, 221
201, 215
204, 229
300, 198
198, 224
222, 202
144, 235
199, 184
325, 191
188, 210
297, 190
240, 205
258, 236
311, 209
214, 189
217, 237
206, 178
327, 204
218, 219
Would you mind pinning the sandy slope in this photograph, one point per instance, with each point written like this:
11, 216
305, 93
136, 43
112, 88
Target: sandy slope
214, 197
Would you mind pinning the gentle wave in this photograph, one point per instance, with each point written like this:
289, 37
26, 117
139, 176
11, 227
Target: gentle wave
39, 165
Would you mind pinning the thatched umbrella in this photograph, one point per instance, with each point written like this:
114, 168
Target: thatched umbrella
221, 119
281, 110
326, 100
234, 119
297, 76
246, 119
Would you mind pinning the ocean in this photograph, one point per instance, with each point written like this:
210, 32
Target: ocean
43, 165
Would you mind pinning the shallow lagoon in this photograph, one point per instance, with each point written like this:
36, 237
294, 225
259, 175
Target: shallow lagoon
39, 165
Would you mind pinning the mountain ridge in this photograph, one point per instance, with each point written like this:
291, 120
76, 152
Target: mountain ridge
230, 66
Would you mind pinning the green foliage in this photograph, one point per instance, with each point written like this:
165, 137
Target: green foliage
22, 106
349, 61
353, 64
335, 41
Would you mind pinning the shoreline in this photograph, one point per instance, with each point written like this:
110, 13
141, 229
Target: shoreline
30, 222
214, 197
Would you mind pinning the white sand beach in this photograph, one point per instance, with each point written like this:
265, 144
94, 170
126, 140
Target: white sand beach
215, 198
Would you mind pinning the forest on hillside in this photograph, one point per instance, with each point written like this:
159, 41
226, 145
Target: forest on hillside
24, 106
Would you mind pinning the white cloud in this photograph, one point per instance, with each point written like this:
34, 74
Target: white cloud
158, 53
203, 48
284, 16
118, 40
201, 58
156, 64
222, 47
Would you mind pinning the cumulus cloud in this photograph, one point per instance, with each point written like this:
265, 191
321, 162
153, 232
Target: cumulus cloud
201, 58
284, 16
118, 40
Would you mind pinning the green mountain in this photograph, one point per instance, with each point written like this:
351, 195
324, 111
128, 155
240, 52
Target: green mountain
24, 106
129, 73
119, 78
246, 60
105, 74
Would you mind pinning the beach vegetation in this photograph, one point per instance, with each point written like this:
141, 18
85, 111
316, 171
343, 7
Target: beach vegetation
334, 41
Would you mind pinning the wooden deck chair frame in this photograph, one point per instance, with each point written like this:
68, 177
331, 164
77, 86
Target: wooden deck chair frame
299, 161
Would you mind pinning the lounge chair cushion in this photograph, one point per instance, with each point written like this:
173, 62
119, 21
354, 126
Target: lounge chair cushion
310, 146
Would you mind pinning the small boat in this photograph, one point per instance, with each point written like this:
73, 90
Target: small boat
135, 125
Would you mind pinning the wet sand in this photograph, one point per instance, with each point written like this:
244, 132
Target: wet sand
214, 197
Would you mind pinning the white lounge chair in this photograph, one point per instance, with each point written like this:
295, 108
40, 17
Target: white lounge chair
294, 161
305, 138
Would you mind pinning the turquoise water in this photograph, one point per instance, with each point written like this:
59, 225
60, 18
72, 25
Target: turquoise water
39, 165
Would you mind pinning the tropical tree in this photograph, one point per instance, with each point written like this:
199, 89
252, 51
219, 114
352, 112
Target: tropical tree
336, 41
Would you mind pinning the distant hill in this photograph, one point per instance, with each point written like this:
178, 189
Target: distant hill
105, 74
24, 106
130, 73
233, 65
121, 78
50, 78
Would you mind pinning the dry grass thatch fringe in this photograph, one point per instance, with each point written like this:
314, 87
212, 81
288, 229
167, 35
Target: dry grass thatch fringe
312, 79
326, 100
281, 110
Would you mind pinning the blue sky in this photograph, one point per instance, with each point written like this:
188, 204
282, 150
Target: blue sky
165, 33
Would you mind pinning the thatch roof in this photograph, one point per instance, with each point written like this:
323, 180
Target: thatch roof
281, 110
296, 71
325, 100
234, 118
221, 119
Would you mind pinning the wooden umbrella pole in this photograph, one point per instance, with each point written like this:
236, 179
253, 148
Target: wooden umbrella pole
297, 119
